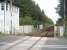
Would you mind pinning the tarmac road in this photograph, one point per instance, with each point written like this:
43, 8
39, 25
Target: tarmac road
34, 43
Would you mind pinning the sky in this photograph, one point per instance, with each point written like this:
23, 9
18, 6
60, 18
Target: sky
49, 8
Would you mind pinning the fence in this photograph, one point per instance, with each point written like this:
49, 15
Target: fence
22, 29
27, 29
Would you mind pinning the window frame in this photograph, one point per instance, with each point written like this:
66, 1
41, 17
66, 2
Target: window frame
2, 6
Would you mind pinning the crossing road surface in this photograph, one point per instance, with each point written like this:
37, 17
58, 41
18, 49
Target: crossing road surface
38, 43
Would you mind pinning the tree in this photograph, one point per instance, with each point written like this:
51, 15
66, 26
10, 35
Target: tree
26, 20
28, 8
61, 8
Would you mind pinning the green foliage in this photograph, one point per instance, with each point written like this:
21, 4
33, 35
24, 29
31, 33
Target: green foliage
30, 13
48, 22
25, 20
61, 8
62, 11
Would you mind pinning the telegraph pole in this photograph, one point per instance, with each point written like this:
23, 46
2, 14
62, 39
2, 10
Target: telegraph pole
11, 16
64, 16
4, 17
4, 14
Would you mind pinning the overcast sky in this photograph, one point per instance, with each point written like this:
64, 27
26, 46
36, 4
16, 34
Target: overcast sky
49, 7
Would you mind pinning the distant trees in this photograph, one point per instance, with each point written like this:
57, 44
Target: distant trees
25, 20
62, 10
30, 13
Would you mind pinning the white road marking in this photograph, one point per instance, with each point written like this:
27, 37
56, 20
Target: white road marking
52, 46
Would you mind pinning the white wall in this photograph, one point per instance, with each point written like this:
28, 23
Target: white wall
8, 18
40, 26
26, 29
59, 30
